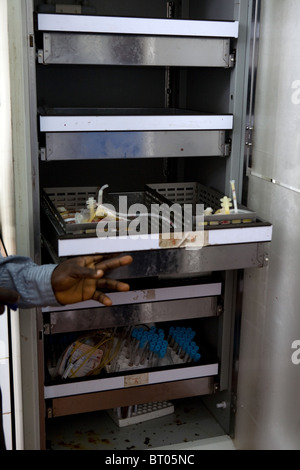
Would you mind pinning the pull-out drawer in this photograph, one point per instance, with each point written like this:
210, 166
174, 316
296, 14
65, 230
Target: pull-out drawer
206, 248
84, 403
76, 134
135, 41
182, 300
134, 144
128, 356
122, 120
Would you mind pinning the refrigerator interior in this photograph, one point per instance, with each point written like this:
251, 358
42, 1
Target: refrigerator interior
139, 99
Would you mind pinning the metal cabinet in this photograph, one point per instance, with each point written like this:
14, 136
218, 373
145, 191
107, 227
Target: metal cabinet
132, 96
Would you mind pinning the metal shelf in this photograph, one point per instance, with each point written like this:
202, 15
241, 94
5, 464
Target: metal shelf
92, 315
133, 380
70, 39
193, 241
131, 25
78, 134
156, 294
82, 403
145, 144
93, 49
153, 121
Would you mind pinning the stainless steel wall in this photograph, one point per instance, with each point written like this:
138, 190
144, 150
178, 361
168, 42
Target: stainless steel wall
268, 415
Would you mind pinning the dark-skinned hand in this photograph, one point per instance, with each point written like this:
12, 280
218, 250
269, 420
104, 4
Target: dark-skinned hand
78, 279
84, 277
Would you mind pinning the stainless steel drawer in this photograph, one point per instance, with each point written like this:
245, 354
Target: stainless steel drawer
135, 41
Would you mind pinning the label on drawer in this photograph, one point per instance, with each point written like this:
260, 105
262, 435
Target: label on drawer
193, 240
136, 380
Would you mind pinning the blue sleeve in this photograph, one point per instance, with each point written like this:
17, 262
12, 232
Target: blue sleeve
32, 282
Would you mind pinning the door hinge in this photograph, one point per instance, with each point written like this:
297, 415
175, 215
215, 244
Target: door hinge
248, 139
233, 402
248, 146
31, 40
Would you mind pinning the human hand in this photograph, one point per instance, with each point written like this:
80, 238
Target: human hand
7, 296
82, 278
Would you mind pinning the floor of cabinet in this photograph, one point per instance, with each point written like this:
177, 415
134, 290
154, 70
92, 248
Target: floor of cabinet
190, 426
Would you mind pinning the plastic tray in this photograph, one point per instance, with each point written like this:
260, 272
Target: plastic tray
196, 193
73, 199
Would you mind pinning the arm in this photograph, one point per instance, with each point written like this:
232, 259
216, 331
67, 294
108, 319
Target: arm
74, 280
30, 281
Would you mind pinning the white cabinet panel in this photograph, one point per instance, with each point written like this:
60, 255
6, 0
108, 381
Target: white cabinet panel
277, 108
5, 385
3, 337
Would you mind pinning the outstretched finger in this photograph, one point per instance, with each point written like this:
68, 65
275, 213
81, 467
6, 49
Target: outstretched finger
102, 298
114, 263
96, 259
112, 284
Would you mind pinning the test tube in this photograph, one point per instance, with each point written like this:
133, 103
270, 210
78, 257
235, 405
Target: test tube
139, 351
145, 353
170, 334
196, 357
232, 182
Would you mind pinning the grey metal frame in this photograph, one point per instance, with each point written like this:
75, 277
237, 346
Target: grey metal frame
253, 63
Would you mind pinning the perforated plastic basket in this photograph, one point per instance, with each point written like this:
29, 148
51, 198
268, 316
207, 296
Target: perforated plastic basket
74, 199
196, 193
